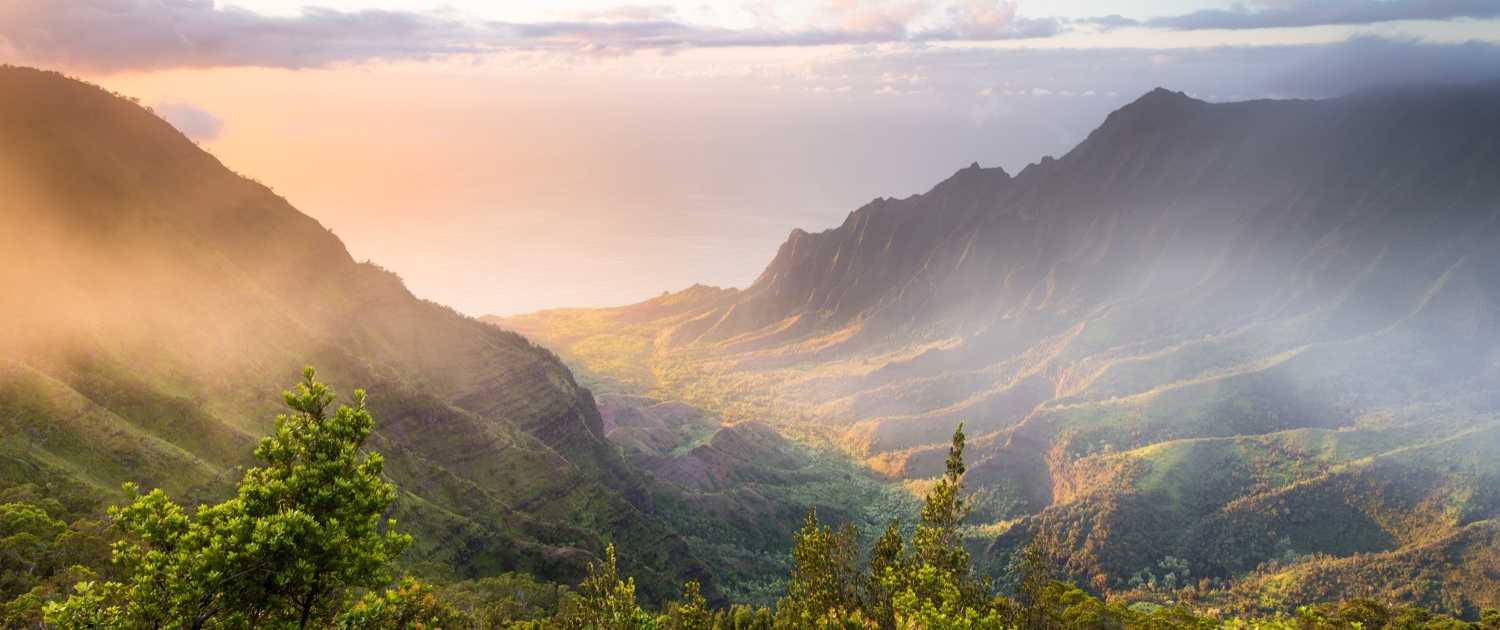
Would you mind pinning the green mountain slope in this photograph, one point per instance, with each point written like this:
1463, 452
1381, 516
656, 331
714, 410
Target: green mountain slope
153, 303
1234, 334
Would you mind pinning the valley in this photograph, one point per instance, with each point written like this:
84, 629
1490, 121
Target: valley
1238, 357
1254, 337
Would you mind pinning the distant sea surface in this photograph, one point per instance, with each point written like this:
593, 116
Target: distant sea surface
598, 198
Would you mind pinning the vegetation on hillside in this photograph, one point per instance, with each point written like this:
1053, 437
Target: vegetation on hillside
149, 297
303, 530
303, 544
1238, 478
1155, 436
1175, 347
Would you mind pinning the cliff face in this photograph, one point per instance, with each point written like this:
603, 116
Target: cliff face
1169, 194
1199, 309
1174, 220
155, 302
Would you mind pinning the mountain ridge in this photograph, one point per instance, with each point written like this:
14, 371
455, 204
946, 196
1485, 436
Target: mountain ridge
155, 303
1291, 273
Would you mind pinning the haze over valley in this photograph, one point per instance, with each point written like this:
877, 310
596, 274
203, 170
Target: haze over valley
1171, 320
781, 315
545, 172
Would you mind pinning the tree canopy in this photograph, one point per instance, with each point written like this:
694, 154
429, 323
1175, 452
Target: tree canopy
304, 529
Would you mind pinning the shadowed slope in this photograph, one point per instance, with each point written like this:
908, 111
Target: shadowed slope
154, 302
1191, 272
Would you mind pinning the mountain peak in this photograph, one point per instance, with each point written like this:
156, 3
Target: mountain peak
1157, 116
974, 170
1164, 93
1199, 289
1160, 100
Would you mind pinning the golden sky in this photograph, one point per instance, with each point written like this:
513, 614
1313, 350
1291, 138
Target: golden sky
507, 157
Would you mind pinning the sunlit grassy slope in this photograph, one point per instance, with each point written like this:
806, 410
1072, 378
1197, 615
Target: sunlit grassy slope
154, 304
1260, 338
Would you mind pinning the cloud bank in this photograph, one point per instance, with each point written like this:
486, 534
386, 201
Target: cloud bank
970, 78
1260, 14
1365, 61
114, 35
118, 35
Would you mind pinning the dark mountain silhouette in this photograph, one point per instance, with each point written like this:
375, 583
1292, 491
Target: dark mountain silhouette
1248, 335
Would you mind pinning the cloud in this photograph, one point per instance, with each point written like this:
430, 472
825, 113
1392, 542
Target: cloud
112, 35
195, 123
914, 79
1366, 61
871, 20
1294, 13
1109, 22
1098, 75
624, 13
119, 35
992, 20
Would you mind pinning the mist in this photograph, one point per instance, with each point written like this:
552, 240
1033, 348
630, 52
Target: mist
1189, 308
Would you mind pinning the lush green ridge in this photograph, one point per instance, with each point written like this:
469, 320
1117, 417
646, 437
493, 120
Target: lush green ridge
1250, 346
302, 544
149, 297
1259, 338
738, 492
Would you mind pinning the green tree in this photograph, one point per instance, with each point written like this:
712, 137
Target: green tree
825, 578
1369, 614
743, 617
1489, 619
27, 534
690, 614
285, 552
1034, 612
41, 558
496, 602
938, 542
887, 567
608, 602
1420, 619
400, 608
934, 587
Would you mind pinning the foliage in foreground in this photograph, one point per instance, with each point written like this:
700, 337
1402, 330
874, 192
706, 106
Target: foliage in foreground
303, 545
286, 552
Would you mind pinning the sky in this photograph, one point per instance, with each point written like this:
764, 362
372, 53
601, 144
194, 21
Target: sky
505, 157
